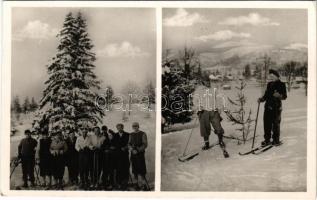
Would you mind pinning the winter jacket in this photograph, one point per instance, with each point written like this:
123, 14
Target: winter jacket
27, 147
138, 141
71, 150
95, 141
109, 144
271, 102
58, 147
43, 148
122, 141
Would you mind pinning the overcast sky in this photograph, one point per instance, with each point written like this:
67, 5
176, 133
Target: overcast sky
124, 39
205, 28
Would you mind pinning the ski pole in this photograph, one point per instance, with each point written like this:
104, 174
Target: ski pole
256, 122
146, 182
98, 170
93, 168
16, 164
190, 135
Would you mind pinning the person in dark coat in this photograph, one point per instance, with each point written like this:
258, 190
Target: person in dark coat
137, 145
273, 96
109, 157
123, 163
45, 158
81, 146
26, 152
58, 149
206, 119
72, 158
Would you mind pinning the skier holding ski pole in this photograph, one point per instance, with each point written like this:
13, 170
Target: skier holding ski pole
273, 96
206, 119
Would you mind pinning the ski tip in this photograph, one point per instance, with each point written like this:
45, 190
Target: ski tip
187, 158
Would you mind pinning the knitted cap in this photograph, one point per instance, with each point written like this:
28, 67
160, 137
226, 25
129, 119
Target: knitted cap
274, 72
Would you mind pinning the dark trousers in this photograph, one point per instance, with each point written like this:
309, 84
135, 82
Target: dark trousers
108, 168
58, 166
83, 164
220, 139
272, 120
123, 166
46, 165
72, 166
138, 164
28, 163
95, 166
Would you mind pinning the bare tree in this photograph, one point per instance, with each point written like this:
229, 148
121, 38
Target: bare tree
264, 64
131, 91
188, 59
289, 71
304, 74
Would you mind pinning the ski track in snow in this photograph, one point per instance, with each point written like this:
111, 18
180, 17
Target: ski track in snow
278, 169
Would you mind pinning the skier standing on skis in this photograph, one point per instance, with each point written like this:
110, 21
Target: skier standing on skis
273, 96
205, 119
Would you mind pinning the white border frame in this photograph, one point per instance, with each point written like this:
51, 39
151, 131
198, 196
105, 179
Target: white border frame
311, 116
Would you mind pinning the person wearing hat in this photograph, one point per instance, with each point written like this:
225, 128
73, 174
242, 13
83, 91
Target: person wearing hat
58, 148
109, 150
137, 145
26, 152
44, 158
273, 96
123, 163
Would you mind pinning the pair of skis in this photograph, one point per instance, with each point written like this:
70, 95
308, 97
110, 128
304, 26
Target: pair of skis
186, 157
259, 150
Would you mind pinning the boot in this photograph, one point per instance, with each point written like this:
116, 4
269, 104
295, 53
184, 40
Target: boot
265, 143
25, 184
206, 146
276, 143
32, 184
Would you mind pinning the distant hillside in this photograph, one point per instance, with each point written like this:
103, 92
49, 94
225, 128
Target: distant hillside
239, 56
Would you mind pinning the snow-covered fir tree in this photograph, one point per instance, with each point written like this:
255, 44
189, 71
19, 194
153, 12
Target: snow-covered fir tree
70, 94
176, 90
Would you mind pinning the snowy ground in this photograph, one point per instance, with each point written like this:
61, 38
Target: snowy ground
147, 124
279, 169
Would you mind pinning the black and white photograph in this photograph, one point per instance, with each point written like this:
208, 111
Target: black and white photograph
83, 99
158, 99
234, 99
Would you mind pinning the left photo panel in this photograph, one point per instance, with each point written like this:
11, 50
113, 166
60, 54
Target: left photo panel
83, 99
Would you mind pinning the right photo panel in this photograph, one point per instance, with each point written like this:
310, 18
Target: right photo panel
234, 100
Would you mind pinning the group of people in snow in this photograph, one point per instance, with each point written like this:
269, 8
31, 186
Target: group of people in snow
273, 96
95, 159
